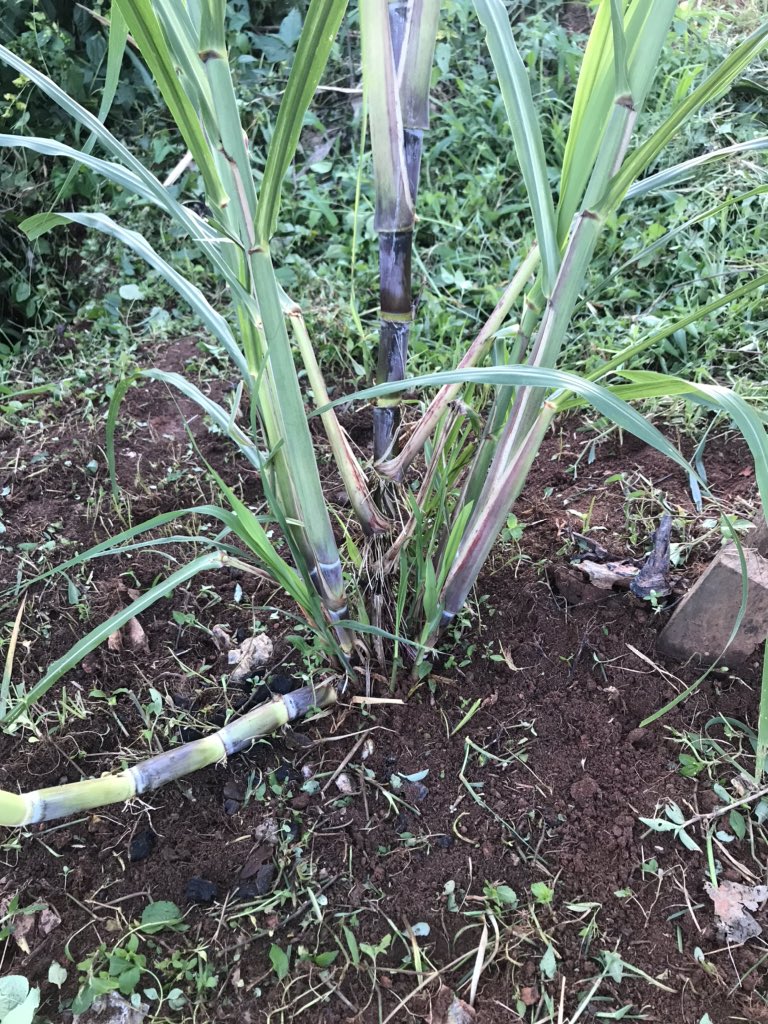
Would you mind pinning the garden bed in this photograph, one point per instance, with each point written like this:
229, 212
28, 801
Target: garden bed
538, 772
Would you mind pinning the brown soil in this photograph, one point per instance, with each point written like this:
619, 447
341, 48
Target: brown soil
553, 787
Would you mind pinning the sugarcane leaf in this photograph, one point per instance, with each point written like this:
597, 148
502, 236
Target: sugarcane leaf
148, 33
415, 68
97, 636
39, 223
681, 171
698, 313
645, 29
394, 204
320, 27
712, 87
120, 542
526, 132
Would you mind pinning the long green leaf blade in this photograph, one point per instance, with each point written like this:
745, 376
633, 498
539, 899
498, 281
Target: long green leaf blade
318, 33
75, 655
526, 133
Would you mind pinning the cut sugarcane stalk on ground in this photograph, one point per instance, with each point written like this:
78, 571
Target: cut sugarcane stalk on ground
60, 801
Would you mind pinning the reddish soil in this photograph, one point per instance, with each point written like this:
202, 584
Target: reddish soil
554, 785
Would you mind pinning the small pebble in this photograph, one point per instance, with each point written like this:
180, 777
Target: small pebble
201, 890
258, 886
401, 823
445, 842
287, 773
141, 845
344, 784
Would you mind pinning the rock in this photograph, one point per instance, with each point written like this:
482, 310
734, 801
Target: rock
758, 538
445, 842
258, 886
702, 622
281, 684
141, 845
201, 890
112, 1009
252, 654
584, 790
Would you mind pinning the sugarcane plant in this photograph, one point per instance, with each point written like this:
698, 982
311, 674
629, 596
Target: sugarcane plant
481, 431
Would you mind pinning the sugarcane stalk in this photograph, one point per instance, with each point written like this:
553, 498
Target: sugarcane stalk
483, 530
524, 430
395, 468
398, 47
281, 402
75, 797
372, 520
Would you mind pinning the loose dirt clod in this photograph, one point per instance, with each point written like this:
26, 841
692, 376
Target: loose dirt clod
252, 655
201, 890
141, 845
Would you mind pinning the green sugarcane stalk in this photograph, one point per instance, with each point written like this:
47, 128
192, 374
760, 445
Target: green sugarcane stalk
617, 59
281, 402
526, 425
372, 520
398, 48
75, 797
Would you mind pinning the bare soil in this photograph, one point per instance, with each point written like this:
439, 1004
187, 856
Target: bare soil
550, 788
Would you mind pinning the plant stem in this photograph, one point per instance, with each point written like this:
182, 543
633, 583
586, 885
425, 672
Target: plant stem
75, 797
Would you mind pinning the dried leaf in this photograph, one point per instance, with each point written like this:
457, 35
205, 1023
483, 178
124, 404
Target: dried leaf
135, 636
131, 636
732, 903
221, 638
29, 930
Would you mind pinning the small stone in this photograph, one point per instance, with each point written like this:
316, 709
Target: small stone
584, 790
445, 842
286, 773
300, 802
344, 784
234, 790
282, 684
141, 845
232, 807
417, 791
201, 890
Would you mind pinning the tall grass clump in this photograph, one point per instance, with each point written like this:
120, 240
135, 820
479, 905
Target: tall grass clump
430, 529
